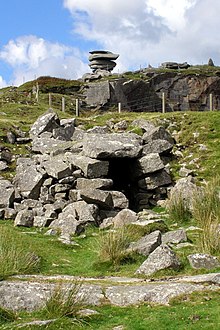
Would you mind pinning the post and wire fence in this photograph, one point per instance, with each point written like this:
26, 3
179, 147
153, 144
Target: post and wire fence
155, 102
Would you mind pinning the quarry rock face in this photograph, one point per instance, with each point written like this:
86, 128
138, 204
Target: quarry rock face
183, 92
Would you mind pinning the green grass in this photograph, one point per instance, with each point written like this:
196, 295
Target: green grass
17, 255
178, 209
57, 258
64, 301
6, 315
206, 213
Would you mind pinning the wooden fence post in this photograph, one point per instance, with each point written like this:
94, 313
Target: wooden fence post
63, 104
37, 92
211, 102
50, 100
163, 103
77, 107
119, 107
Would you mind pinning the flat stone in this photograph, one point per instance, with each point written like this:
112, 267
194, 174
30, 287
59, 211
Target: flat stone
91, 168
38, 323
7, 193
147, 164
3, 165
120, 201
96, 196
59, 187
184, 245
124, 217
30, 296
146, 244
161, 258
144, 124
82, 183
46, 144
57, 167
175, 236
200, 260
158, 294
28, 179
47, 122
99, 130
115, 145
155, 180
24, 218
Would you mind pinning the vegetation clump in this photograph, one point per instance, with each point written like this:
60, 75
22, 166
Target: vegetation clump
206, 212
65, 301
113, 245
178, 208
6, 315
16, 254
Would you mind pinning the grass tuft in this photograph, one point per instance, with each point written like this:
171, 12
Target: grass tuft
65, 301
113, 245
178, 209
7, 315
16, 254
206, 212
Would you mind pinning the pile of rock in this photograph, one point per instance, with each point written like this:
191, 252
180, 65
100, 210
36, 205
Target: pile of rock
102, 60
77, 177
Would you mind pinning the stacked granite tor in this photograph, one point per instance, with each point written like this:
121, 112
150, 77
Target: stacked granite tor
102, 60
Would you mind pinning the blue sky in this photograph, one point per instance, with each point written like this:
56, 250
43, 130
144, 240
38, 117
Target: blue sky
53, 37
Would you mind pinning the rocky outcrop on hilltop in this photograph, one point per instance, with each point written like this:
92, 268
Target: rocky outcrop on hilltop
102, 62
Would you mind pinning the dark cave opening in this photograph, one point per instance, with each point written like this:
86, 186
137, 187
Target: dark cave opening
120, 171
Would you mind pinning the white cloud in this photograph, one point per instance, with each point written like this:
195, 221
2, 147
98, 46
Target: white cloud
32, 57
2, 82
172, 11
150, 31
142, 31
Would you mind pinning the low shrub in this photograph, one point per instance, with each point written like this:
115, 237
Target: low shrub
16, 253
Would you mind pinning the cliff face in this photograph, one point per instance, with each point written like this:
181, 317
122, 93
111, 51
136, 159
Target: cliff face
183, 92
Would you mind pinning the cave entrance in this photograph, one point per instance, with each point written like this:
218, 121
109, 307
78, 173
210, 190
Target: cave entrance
120, 171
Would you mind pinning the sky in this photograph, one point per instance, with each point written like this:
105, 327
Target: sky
54, 37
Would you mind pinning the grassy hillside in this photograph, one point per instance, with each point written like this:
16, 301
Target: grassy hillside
197, 136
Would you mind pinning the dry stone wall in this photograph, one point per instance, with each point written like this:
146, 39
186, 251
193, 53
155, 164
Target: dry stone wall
76, 177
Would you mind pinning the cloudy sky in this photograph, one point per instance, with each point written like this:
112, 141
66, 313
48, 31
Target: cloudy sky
53, 37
